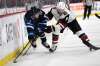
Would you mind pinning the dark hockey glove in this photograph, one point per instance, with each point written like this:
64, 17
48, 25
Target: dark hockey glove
62, 23
48, 29
30, 37
62, 30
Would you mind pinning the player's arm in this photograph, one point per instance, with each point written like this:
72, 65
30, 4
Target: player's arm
49, 15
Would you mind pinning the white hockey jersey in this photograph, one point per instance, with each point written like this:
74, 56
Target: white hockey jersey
58, 13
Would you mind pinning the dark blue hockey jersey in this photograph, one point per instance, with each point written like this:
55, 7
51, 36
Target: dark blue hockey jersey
35, 21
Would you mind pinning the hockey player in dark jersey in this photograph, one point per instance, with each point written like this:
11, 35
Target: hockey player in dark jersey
36, 23
65, 19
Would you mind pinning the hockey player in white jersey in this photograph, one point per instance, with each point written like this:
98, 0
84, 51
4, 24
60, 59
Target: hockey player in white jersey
65, 18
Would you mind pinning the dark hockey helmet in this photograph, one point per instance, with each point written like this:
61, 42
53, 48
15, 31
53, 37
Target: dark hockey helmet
35, 10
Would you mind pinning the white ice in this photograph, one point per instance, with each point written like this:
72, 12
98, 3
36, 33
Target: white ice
70, 52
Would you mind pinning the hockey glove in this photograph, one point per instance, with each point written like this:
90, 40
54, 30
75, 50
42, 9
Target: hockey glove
48, 29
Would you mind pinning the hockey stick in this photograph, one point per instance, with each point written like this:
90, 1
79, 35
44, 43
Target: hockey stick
20, 53
29, 46
26, 51
97, 15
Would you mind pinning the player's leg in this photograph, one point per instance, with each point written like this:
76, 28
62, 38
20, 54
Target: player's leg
85, 12
85, 40
76, 29
56, 30
89, 11
55, 37
44, 40
42, 25
55, 34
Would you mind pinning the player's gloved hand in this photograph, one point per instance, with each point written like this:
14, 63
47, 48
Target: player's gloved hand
62, 23
48, 29
30, 37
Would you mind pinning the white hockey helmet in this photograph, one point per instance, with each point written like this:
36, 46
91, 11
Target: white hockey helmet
61, 5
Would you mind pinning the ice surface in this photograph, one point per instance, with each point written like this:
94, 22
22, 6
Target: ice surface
70, 51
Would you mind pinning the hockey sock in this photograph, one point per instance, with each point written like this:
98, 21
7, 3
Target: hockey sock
55, 39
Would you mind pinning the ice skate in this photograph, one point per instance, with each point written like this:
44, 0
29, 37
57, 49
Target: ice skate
34, 44
53, 48
94, 48
91, 47
46, 45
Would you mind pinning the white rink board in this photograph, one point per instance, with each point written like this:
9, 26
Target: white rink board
12, 34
